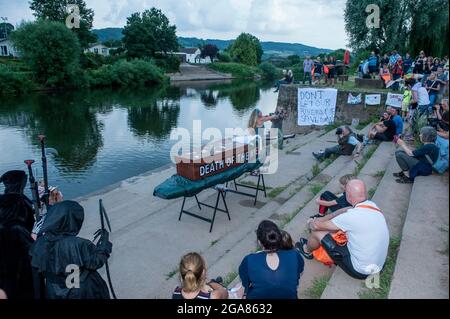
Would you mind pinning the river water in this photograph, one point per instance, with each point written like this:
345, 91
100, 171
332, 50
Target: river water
105, 136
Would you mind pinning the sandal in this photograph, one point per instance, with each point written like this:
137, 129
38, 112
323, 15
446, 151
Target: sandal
299, 246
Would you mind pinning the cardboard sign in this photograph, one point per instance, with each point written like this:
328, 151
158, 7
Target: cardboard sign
316, 106
394, 100
373, 99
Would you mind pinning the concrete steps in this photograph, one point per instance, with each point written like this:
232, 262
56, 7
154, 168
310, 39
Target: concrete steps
228, 262
393, 199
146, 230
421, 271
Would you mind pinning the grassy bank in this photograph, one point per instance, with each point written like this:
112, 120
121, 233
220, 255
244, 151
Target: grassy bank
16, 78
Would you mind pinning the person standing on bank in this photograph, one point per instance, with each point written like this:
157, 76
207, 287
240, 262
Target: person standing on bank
308, 65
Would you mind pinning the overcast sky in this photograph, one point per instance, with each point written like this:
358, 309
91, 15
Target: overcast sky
318, 23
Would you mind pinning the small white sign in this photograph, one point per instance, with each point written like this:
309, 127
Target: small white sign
373, 99
316, 106
394, 100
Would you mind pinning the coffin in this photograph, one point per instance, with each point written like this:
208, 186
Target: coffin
215, 158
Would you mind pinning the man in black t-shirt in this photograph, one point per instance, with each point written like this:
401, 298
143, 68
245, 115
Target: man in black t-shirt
387, 131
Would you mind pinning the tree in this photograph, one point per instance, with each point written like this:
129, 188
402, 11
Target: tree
210, 50
294, 59
113, 43
5, 29
246, 49
57, 10
429, 27
149, 33
50, 49
404, 25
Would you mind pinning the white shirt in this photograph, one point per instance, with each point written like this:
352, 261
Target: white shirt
422, 94
368, 237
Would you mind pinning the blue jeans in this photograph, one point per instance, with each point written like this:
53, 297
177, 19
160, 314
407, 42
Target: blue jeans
307, 76
396, 85
424, 109
432, 99
281, 82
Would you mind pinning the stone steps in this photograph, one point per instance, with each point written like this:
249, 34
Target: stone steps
421, 271
142, 224
393, 200
227, 253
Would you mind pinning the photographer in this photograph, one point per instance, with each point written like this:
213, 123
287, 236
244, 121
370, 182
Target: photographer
440, 120
347, 142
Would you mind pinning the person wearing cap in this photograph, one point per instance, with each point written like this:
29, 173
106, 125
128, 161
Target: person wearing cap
16, 222
347, 143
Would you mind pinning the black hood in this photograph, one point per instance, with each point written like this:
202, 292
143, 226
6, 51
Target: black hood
14, 181
16, 209
65, 218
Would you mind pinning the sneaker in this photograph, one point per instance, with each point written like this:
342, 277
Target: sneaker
317, 216
317, 156
401, 174
299, 246
404, 180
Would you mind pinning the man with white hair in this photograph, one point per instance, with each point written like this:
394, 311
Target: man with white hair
365, 228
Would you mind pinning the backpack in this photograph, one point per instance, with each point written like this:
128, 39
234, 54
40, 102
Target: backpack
441, 164
321, 254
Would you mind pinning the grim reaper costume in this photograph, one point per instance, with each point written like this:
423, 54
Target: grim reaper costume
16, 222
58, 247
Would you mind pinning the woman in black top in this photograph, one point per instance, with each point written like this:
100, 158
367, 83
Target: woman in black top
193, 281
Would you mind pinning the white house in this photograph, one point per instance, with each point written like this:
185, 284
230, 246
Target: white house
192, 55
99, 49
7, 48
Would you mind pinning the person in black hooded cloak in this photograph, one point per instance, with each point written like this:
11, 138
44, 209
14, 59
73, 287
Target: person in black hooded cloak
58, 249
16, 222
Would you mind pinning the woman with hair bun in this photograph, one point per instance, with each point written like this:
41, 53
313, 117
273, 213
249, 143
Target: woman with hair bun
273, 272
193, 280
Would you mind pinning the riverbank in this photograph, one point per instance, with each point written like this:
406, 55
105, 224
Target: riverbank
190, 72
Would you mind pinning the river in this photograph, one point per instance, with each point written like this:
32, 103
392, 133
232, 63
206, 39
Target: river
105, 136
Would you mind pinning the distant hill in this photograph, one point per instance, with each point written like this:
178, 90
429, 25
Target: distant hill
270, 48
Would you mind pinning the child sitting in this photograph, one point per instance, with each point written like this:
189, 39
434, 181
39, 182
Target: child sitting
329, 201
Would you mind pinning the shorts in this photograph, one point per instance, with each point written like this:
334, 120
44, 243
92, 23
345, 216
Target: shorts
405, 107
331, 75
317, 75
341, 257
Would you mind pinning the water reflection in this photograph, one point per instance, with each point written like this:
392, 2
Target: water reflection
105, 136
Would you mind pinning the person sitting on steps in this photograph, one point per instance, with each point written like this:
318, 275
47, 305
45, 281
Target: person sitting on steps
194, 284
329, 201
384, 130
364, 226
347, 142
420, 161
273, 272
